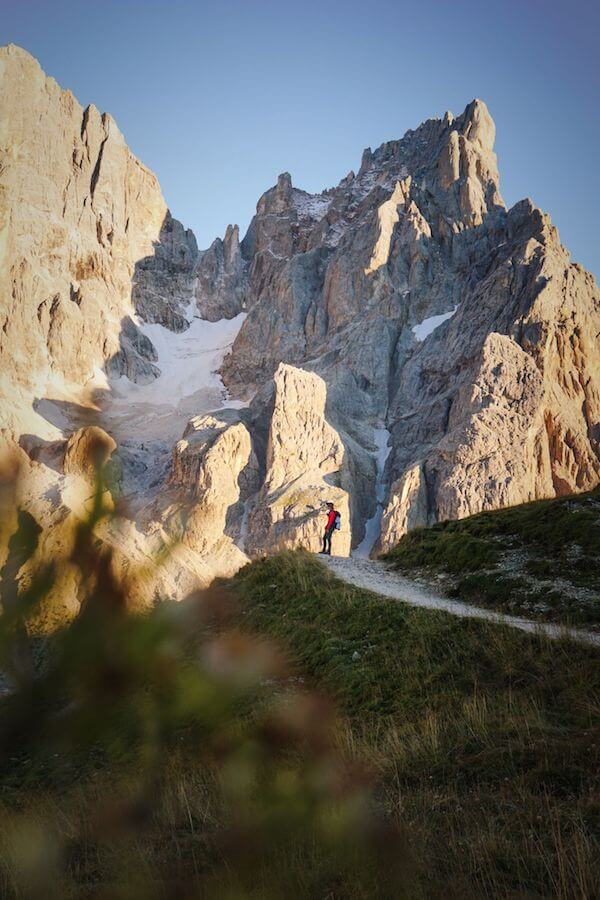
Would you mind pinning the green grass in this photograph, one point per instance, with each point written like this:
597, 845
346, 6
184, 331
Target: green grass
382, 752
461, 762
485, 740
166, 753
556, 545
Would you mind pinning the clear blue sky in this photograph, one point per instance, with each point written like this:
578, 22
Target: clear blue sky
218, 98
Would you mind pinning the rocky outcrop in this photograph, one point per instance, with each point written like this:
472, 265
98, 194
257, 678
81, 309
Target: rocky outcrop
407, 507
221, 278
305, 461
215, 465
232, 494
500, 405
363, 259
88, 249
56, 507
88, 451
427, 307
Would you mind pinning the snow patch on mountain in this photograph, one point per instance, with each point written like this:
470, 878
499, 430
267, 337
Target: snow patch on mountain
312, 206
189, 381
428, 326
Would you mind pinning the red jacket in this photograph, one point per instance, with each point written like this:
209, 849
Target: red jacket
330, 519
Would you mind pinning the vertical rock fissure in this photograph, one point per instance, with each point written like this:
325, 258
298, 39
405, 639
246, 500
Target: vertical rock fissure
373, 525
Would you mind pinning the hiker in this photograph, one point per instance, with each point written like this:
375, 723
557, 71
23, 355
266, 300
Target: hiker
333, 522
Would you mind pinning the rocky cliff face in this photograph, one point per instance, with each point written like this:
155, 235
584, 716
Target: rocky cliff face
86, 242
406, 346
430, 309
88, 252
221, 278
501, 405
305, 468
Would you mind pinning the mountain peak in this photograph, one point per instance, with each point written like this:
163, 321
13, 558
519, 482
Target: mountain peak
477, 124
408, 306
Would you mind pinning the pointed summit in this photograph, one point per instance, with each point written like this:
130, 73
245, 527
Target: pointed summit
478, 125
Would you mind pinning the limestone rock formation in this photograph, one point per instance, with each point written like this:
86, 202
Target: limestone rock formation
410, 349
57, 506
501, 405
82, 221
304, 465
88, 451
221, 278
215, 465
428, 308
88, 250
363, 259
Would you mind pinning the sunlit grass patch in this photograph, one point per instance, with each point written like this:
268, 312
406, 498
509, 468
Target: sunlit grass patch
540, 559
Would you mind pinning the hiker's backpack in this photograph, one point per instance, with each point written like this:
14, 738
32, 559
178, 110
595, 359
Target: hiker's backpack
337, 522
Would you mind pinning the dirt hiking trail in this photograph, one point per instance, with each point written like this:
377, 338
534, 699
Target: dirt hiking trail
377, 577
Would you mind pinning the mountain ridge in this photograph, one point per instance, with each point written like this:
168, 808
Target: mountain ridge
401, 343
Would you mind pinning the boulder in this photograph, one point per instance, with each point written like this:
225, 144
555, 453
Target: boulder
88, 452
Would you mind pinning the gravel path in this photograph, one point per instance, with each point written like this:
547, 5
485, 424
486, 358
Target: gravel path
377, 577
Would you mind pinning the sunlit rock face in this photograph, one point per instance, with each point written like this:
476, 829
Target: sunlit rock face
88, 450
305, 469
364, 256
81, 222
216, 466
428, 308
501, 404
89, 257
401, 345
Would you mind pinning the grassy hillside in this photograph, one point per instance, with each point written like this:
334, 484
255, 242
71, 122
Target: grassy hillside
286, 735
485, 741
166, 754
540, 559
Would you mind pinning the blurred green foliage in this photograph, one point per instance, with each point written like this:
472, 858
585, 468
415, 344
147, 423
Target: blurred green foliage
167, 754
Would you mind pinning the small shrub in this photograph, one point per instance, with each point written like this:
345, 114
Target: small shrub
541, 568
